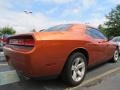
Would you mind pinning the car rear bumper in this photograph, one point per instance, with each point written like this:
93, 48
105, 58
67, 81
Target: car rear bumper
20, 61
27, 63
32, 64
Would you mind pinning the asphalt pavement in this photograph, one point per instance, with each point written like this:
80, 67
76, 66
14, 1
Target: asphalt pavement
103, 77
109, 82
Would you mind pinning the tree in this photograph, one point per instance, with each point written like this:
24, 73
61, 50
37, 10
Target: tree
7, 30
102, 29
112, 25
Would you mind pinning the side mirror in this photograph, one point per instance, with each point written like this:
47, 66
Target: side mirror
108, 39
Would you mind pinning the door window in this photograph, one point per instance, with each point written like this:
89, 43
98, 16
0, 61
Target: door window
96, 34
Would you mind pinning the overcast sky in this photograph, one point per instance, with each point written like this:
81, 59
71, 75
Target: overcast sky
46, 13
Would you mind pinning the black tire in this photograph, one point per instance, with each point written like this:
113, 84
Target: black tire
115, 59
67, 72
21, 76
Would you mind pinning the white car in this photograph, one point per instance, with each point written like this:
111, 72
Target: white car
117, 41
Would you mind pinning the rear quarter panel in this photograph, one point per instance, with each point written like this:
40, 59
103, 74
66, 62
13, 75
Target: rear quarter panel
53, 49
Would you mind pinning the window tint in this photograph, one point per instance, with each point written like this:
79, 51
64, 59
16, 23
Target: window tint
95, 33
116, 39
58, 28
119, 39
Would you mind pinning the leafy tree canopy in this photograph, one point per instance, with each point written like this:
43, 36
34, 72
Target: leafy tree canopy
112, 26
7, 30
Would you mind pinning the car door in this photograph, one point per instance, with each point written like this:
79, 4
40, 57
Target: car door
118, 42
99, 45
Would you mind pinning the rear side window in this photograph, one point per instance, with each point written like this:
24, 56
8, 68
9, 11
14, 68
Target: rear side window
94, 33
63, 27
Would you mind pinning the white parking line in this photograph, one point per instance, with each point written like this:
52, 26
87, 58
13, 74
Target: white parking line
8, 77
4, 64
95, 78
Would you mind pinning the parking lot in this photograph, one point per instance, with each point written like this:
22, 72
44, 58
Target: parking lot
102, 77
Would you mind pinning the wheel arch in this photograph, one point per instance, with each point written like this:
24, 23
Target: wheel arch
82, 50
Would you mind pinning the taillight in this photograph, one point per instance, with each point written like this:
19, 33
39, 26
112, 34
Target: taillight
29, 42
22, 42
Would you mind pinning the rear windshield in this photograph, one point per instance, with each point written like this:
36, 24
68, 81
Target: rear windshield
62, 27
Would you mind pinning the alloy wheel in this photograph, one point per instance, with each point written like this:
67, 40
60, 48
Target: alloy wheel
78, 69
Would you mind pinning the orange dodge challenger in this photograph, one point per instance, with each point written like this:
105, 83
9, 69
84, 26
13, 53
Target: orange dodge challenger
64, 50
